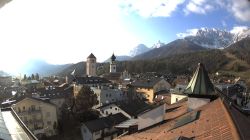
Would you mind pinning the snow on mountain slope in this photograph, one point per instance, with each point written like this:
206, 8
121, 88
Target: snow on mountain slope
217, 39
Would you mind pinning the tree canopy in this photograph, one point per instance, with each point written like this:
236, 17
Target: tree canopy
84, 100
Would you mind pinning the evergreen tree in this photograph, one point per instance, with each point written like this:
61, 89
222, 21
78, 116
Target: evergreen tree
25, 77
84, 100
37, 76
33, 76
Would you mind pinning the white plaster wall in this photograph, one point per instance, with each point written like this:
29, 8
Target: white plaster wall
176, 96
111, 109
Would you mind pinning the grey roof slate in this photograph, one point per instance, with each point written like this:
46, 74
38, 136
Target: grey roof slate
105, 122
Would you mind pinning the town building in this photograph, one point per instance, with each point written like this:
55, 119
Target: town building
91, 65
12, 127
89, 81
38, 115
5, 80
103, 128
146, 89
112, 64
107, 95
206, 113
140, 114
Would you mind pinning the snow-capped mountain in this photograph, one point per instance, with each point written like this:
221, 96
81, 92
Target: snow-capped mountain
158, 45
215, 38
139, 49
241, 34
211, 38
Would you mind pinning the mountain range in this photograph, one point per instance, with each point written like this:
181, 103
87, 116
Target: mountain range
217, 39
3, 73
178, 46
231, 45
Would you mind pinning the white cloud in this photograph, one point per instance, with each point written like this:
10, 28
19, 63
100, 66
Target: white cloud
240, 9
198, 7
238, 29
189, 32
151, 8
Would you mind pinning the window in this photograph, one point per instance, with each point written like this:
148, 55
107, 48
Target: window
48, 122
107, 113
116, 108
48, 114
111, 107
97, 132
33, 107
23, 108
176, 99
34, 117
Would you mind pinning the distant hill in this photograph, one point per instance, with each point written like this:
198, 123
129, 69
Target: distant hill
179, 46
241, 49
2, 73
180, 63
120, 58
79, 68
139, 49
42, 68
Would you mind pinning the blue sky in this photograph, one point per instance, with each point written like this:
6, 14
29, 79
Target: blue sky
67, 31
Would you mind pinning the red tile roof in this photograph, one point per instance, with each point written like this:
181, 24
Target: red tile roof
213, 123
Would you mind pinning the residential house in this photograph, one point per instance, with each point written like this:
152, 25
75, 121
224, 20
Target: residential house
140, 114
103, 128
12, 128
5, 80
56, 96
147, 88
107, 95
89, 81
39, 115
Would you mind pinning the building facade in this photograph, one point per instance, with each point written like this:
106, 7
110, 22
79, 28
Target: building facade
39, 116
107, 95
147, 89
91, 65
113, 64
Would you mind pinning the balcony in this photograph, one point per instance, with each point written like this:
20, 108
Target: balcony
30, 111
33, 121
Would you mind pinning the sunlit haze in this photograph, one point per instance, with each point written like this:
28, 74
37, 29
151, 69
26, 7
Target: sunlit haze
67, 31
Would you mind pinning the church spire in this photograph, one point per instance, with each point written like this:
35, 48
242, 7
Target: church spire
200, 83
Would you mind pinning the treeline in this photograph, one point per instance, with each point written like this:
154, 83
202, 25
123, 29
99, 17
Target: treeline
177, 64
31, 77
241, 49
